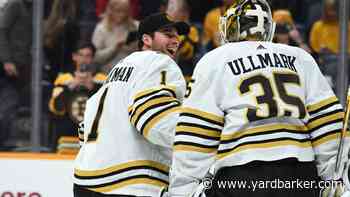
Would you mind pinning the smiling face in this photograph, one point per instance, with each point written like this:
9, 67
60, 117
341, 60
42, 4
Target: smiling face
164, 40
83, 56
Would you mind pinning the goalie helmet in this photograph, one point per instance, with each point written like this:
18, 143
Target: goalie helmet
247, 20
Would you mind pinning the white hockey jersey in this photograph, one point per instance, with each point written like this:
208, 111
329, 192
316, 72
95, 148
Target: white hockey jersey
255, 101
129, 127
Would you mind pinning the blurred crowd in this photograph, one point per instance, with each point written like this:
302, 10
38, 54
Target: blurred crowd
83, 39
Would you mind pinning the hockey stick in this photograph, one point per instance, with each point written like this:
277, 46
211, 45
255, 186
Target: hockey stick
337, 170
342, 137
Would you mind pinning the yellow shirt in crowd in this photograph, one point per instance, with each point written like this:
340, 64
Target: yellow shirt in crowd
211, 27
188, 42
326, 35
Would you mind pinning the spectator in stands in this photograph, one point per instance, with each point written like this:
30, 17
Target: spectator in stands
282, 16
15, 57
16, 40
211, 35
70, 93
282, 34
111, 35
61, 32
180, 10
324, 35
285, 25
134, 8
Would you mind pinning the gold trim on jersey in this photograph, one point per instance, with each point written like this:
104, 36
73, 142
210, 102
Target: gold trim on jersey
333, 135
324, 120
326, 138
194, 148
143, 107
264, 145
113, 169
132, 178
198, 130
151, 91
323, 103
262, 129
149, 123
131, 181
206, 115
204, 131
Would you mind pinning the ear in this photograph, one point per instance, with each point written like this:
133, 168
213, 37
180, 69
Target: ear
147, 40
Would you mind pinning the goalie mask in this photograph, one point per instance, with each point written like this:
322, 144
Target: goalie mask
247, 20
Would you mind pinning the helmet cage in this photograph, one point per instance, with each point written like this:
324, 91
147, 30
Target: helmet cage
250, 19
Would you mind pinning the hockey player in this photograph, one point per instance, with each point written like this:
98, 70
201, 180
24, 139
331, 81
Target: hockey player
260, 116
129, 124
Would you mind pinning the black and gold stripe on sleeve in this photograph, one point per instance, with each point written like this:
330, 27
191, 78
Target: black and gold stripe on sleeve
322, 105
149, 104
325, 121
326, 137
195, 132
210, 118
331, 135
195, 147
152, 105
131, 173
157, 116
153, 91
200, 135
332, 120
202, 131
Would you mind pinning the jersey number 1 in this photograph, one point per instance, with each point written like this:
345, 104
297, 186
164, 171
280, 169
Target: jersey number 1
93, 133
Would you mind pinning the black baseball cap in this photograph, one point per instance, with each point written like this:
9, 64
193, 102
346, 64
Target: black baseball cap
155, 22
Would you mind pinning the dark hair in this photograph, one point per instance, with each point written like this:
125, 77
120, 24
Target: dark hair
156, 21
83, 45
